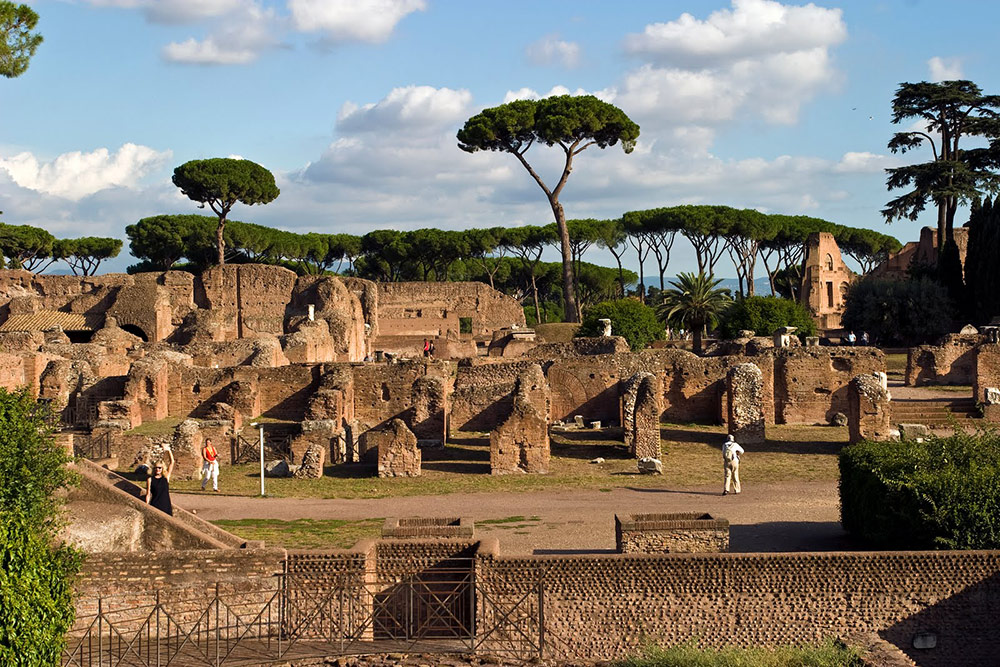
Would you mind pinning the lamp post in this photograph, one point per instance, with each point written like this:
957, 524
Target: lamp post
261, 427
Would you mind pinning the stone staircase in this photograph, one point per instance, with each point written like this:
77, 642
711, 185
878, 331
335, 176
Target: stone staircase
934, 413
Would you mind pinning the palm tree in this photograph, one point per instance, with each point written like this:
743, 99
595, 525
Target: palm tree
694, 301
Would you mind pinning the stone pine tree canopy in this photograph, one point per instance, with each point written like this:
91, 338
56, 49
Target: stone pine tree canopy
18, 43
222, 182
574, 123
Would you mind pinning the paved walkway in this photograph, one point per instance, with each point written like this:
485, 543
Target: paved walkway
790, 516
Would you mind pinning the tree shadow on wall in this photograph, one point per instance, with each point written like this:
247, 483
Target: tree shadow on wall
959, 625
783, 536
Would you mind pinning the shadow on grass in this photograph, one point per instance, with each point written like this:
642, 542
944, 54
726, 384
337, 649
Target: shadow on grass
449, 453
688, 435
585, 451
591, 435
457, 466
350, 471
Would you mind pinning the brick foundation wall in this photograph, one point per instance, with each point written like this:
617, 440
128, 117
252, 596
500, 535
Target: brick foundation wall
608, 606
951, 361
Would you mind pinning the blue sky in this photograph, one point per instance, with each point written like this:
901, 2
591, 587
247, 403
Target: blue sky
354, 105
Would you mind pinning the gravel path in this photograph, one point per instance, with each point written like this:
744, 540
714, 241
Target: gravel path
790, 516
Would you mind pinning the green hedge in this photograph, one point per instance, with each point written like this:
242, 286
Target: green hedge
633, 320
764, 315
943, 493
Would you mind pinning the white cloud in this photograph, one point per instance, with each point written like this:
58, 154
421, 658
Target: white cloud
550, 50
76, 175
352, 20
752, 29
760, 57
407, 108
238, 41
945, 69
864, 162
531, 94
175, 11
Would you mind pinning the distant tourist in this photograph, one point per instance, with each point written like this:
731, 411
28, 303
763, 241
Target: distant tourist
851, 339
430, 349
209, 465
158, 485
427, 348
731, 452
864, 338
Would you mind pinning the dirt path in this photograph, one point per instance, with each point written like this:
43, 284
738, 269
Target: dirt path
790, 516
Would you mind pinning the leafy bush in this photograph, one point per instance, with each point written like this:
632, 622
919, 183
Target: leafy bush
636, 321
943, 493
907, 312
828, 654
765, 314
36, 605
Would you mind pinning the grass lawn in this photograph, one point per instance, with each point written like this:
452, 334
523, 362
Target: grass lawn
304, 533
691, 458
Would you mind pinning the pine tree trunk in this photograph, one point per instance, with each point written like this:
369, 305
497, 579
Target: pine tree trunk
569, 296
220, 241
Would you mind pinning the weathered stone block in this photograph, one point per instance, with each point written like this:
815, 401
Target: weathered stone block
913, 431
745, 392
521, 443
398, 455
642, 405
312, 462
671, 533
868, 408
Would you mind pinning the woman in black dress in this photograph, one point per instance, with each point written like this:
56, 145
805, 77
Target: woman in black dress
158, 486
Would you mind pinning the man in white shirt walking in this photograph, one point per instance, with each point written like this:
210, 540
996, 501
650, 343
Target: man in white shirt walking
731, 452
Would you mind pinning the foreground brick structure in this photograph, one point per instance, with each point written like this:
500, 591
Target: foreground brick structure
951, 361
671, 533
745, 391
521, 442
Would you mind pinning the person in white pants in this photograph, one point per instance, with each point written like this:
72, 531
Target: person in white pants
209, 465
731, 452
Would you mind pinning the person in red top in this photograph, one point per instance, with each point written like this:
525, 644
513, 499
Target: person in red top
210, 465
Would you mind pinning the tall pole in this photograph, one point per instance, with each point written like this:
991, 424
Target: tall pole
262, 461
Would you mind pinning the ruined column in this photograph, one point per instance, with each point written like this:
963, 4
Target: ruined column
745, 391
868, 408
642, 405
521, 443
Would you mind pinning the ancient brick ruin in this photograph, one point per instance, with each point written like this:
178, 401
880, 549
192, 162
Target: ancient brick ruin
642, 405
745, 393
521, 442
868, 411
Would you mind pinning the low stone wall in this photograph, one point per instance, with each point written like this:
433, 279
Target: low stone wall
671, 533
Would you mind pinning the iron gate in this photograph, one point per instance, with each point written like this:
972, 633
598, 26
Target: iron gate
443, 609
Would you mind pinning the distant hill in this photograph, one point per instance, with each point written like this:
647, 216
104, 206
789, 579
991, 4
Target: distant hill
761, 286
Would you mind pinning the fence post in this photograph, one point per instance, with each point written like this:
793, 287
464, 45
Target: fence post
217, 654
100, 631
541, 617
157, 628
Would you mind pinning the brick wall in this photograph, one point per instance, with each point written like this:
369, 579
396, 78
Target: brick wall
608, 606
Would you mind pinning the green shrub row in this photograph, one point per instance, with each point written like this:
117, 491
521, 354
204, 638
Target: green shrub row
942, 493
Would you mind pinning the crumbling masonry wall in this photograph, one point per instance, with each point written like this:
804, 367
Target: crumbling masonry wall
642, 405
868, 409
521, 442
745, 391
951, 361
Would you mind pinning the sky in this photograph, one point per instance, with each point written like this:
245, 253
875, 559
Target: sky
354, 105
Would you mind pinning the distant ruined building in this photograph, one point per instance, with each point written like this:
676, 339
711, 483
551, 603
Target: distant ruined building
917, 253
825, 279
